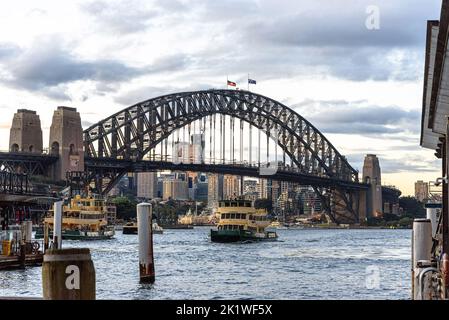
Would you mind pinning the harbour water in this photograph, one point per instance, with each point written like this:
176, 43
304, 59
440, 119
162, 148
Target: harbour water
303, 264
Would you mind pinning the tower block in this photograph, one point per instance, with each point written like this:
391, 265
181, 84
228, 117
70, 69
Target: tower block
372, 176
25, 134
66, 141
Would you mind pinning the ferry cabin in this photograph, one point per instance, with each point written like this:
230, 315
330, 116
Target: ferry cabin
241, 215
87, 213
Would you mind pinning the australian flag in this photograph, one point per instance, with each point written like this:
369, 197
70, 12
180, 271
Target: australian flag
251, 81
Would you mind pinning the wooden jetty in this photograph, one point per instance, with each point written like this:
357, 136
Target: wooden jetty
15, 261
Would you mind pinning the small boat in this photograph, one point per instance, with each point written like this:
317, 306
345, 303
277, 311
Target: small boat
240, 221
277, 225
131, 228
89, 218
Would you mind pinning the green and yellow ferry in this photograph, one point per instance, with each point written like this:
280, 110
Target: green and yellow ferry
89, 218
241, 221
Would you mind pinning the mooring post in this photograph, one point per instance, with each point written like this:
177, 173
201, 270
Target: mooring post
445, 274
57, 225
422, 251
46, 236
22, 256
68, 274
145, 232
28, 231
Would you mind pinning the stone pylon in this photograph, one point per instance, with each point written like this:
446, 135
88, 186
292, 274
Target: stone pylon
66, 141
25, 134
372, 176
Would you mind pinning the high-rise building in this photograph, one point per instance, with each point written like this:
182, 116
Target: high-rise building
175, 189
310, 201
262, 189
231, 187
215, 189
197, 148
147, 185
250, 190
201, 190
421, 190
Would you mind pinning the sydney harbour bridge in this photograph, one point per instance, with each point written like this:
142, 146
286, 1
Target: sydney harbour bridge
241, 133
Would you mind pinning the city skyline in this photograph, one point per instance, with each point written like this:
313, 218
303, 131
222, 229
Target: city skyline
66, 54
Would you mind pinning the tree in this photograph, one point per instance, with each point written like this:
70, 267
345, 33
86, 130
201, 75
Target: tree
126, 208
412, 207
263, 204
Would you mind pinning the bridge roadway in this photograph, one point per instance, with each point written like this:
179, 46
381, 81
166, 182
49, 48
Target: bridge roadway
30, 163
95, 164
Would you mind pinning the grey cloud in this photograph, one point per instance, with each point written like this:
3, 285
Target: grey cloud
8, 50
138, 95
402, 165
358, 118
47, 65
120, 17
405, 163
326, 38
86, 124
56, 93
342, 24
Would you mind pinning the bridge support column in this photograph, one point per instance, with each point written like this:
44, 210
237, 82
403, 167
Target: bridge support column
363, 203
66, 140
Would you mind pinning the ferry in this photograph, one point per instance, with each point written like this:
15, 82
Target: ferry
89, 218
241, 221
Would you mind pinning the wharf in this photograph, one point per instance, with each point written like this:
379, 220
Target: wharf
13, 262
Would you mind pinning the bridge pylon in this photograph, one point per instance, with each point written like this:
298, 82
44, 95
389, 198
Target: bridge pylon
66, 141
25, 134
372, 176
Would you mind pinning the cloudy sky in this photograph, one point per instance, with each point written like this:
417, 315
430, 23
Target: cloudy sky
362, 88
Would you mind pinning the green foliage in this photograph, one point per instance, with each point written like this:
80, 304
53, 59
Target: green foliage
126, 207
264, 204
406, 222
412, 207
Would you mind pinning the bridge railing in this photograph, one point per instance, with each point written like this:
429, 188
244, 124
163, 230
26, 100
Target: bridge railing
274, 166
14, 183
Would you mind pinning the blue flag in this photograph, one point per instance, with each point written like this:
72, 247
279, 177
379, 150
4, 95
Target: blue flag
251, 81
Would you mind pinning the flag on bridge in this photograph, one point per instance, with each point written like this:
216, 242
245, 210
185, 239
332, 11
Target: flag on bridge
251, 81
232, 84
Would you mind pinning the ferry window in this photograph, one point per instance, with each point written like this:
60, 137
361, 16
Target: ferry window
226, 204
237, 215
240, 227
247, 204
232, 215
233, 204
223, 216
219, 204
243, 216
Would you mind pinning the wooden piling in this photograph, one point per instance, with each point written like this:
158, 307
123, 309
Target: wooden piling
145, 232
68, 274
57, 225
46, 236
22, 255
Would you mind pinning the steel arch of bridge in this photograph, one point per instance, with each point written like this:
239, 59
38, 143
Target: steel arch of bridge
132, 133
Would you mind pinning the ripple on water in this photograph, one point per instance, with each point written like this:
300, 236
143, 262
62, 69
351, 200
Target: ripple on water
305, 264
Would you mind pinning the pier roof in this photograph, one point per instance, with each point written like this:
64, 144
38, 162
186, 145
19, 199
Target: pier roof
435, 108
